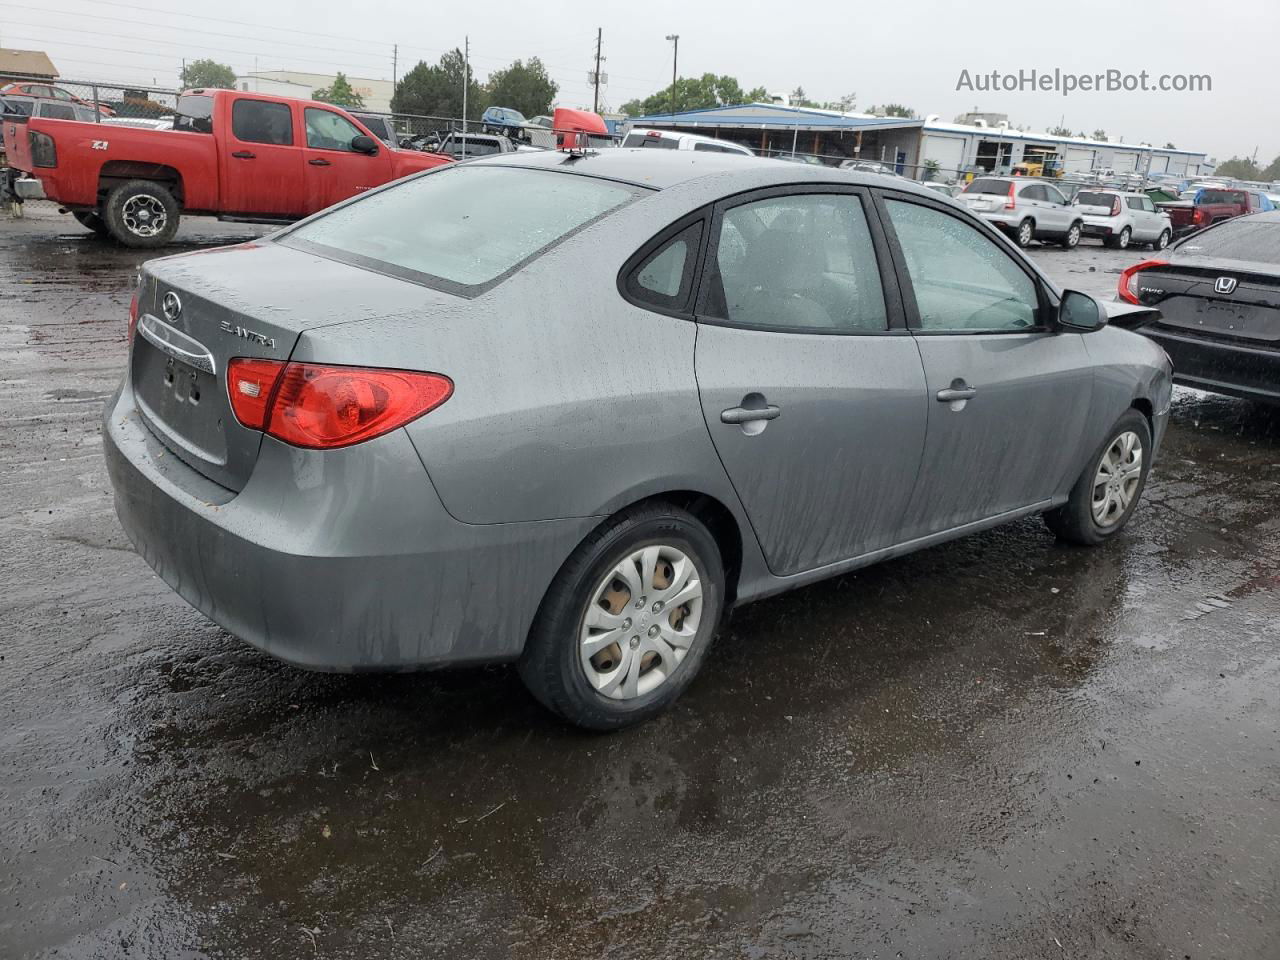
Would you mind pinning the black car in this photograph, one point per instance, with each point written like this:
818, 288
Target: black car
1218, 293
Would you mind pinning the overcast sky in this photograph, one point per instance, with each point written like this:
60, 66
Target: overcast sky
908, 52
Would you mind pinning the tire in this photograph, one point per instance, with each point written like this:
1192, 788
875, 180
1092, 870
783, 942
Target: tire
1076, 521
1071, 239
141, 213
1162, 241
1025, 233
604, 692
91, 220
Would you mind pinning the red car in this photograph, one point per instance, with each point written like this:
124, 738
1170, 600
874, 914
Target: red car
237, 156
47, 91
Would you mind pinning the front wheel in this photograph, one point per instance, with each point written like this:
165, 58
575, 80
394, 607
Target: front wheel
628, 620
1072, 237
1107, 493
141, 213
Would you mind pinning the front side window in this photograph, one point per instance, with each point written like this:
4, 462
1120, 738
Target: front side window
963, 282
61, 94
260, 121
1053, 196
800, 262
327, 130
465, 225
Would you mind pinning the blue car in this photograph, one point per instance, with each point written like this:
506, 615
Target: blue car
502, 120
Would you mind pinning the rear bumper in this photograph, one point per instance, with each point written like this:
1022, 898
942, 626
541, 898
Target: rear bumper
28, 189
1233, 369
339, 560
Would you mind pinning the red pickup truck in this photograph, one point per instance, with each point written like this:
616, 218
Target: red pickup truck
237, 156
1208, 206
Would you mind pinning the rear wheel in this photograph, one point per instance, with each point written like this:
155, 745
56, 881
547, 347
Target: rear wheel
1121, 240
1108, 490
1026, 233
91, 220
141, 213
628, 620
1071, 238
1162, 241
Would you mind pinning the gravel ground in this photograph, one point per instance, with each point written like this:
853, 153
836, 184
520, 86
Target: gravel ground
996, 748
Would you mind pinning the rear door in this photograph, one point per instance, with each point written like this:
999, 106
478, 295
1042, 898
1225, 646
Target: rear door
334, 171
811, 387
259, 160
1008, 397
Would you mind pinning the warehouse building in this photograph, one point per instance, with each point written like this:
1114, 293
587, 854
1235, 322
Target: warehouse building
774, 129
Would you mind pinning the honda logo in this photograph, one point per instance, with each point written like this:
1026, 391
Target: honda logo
1224, 285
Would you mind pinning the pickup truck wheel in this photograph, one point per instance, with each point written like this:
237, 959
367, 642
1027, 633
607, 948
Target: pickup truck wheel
141, 213
92, 221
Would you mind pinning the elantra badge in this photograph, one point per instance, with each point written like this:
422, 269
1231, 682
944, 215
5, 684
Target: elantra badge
1224, 285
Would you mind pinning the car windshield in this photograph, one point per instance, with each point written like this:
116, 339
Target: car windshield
1245, 239
1087, 198
464, 225
984, 185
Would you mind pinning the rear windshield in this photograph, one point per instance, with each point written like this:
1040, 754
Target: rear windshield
194, 114
1243, 239
983, 185
1087, 199
463, 226
644, 140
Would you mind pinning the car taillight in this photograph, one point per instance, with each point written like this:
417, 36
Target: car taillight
1009, 204
1129, 280
1115, 206
133, 316
1197, 216
322, 407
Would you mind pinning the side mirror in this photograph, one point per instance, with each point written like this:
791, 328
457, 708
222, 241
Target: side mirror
363, 144
1080, 312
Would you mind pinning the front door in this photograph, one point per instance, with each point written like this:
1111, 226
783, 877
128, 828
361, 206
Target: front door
260, 163
334, 170
1008, 396
812, 390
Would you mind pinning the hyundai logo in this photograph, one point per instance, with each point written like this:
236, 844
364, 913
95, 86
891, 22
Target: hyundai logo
172, 306
1224, 285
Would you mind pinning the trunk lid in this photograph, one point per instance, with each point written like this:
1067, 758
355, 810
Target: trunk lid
1192, 300
196, 312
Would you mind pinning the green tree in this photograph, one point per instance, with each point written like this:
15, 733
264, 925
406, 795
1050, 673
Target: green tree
1099, 134
893, 110
799, 98
1241, 168
1169, 146
436, 90
694, 93
340, 93
206, 74
757, 95
524, 87
1272, 171
1060, 132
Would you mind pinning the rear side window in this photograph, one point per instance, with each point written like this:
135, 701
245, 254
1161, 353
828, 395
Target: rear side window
1135, 203
665, 278
57, 111
194, 114
1033, 192
462, 226
797, 262
259, 121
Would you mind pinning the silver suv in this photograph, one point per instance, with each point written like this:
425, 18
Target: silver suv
1119, 218
1025, 209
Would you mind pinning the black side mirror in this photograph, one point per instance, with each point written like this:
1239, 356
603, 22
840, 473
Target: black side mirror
362, 144
1080, 312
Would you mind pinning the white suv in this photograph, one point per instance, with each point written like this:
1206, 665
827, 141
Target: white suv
674, 140
1120, 218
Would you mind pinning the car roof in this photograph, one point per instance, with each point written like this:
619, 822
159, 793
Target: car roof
661, 169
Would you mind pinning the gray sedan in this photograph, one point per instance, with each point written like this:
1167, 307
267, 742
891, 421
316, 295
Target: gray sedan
567, 410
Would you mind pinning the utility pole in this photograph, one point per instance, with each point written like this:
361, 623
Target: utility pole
595, 100
675, 59
466, 82
395, 57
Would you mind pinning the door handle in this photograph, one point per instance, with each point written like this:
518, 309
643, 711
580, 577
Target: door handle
954, 393
746, 415
244, 155
318, 162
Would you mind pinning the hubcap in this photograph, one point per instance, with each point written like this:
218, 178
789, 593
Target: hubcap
641, 622
144, 215
1115, 483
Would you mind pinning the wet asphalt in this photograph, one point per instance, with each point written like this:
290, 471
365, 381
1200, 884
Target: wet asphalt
997, 748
